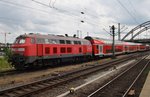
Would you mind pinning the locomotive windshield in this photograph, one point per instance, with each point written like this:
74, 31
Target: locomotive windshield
20, 41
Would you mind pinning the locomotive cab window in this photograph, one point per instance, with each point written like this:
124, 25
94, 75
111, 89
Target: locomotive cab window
20, 41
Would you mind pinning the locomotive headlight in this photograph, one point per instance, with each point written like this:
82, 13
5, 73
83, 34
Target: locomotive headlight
13, 49
18, 49
21, 49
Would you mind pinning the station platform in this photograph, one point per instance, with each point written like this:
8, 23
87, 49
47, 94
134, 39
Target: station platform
146, 88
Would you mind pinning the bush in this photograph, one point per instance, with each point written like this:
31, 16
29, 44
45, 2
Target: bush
4, 65
8, 53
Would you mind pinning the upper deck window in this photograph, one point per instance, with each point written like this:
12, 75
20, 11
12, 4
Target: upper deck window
77, 42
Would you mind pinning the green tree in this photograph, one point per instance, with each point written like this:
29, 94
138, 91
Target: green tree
8, 53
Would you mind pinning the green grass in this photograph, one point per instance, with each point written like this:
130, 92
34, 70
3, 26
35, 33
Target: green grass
4, 65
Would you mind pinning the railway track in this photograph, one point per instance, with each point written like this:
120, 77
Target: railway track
121, 85
13, 71
48, 83
8, 72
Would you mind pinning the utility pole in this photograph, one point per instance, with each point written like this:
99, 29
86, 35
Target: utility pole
113, 43
5, 36
119, 31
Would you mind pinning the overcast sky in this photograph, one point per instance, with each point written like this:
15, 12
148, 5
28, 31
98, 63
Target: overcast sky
64, 16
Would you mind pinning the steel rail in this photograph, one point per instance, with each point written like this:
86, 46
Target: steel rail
96, 91
41, 85
125, 94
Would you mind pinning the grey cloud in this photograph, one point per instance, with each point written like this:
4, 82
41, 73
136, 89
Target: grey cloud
98, 14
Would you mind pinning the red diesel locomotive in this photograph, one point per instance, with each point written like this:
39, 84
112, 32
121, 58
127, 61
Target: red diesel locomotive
30, 50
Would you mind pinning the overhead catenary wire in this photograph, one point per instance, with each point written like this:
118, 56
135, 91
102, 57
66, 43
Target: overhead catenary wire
128, 11
24, 6
28, 7
134, 10
53, 3
63, 11
91, 22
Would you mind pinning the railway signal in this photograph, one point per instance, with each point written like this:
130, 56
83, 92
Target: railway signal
113, 43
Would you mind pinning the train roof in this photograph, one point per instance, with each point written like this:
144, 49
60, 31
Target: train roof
131, 43
51, 36
98, 40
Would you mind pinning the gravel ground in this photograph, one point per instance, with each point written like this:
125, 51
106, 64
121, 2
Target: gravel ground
140, 83
22, 78
65, 87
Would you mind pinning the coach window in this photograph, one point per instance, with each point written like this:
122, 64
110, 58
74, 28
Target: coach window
79, 42
68, 42
62, 41
97, 46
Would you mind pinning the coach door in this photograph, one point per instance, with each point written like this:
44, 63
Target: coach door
100, 49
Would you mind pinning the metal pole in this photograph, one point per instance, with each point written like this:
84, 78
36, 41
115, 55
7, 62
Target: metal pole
5, 39
113, 43
119, 31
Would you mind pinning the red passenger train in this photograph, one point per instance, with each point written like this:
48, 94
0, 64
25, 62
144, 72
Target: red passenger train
30, 50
